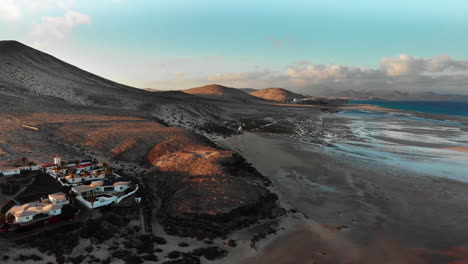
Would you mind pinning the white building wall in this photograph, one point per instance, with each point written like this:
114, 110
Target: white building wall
120, 188
75, 180
24, 219
12, 172
30, 168
61, 201
101, 201
127, 195
55, 212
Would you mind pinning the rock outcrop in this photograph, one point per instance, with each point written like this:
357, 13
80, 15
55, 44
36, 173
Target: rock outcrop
207, 191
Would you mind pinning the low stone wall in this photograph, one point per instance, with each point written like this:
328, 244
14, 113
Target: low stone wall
127, 195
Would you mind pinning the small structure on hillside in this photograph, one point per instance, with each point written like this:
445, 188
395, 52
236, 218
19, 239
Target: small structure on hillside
59, 198
57, 160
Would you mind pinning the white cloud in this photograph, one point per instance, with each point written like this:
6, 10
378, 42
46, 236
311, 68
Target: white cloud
10, 11
408, 65
59, 27
440, 74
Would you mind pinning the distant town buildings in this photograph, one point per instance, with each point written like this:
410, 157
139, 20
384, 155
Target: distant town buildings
313, 100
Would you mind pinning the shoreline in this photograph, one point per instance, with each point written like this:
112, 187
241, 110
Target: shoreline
359, 203
461, 119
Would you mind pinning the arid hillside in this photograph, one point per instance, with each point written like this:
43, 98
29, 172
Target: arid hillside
276, 94
205, 190
27, 74
219, 92
49, 107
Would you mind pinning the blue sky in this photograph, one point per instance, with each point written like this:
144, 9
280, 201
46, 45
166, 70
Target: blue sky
177, 44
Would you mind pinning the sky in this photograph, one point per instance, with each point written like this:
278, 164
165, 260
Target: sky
303, 45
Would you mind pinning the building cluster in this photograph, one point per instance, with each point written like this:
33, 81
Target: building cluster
93, 184
76, 172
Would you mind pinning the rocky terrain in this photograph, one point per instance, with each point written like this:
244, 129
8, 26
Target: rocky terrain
206, 191
29, 75
191, 186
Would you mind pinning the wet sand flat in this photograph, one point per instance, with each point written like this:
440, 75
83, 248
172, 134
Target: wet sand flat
365, 198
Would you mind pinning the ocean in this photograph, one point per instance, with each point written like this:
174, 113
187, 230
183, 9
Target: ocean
420, 144
453, 108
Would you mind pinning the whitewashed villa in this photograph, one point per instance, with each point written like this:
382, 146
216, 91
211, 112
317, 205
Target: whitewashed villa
102, 193
35, 211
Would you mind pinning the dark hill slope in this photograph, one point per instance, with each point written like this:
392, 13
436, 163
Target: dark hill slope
31, 74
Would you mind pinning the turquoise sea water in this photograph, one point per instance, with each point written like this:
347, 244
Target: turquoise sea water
453, 108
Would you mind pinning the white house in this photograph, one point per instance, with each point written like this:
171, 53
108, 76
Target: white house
11, 172
48, 167
24, 216
58, 198
121, 186
99, 187
30, 168
74, 179
78, 167
79, 178
101, 193
27, 212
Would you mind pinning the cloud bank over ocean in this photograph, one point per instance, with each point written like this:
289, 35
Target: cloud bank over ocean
404, 72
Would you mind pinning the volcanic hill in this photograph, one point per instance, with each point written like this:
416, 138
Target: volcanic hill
276, 94
204, 190
219, 92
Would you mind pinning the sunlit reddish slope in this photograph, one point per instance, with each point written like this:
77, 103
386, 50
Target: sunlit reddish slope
276, 94
215, 91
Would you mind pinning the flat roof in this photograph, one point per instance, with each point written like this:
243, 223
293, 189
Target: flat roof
24, 213
48, 165
58, 196
51, 207
12, 169
82, 188
121, 183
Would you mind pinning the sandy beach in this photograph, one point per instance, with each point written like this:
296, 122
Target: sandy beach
358, 202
